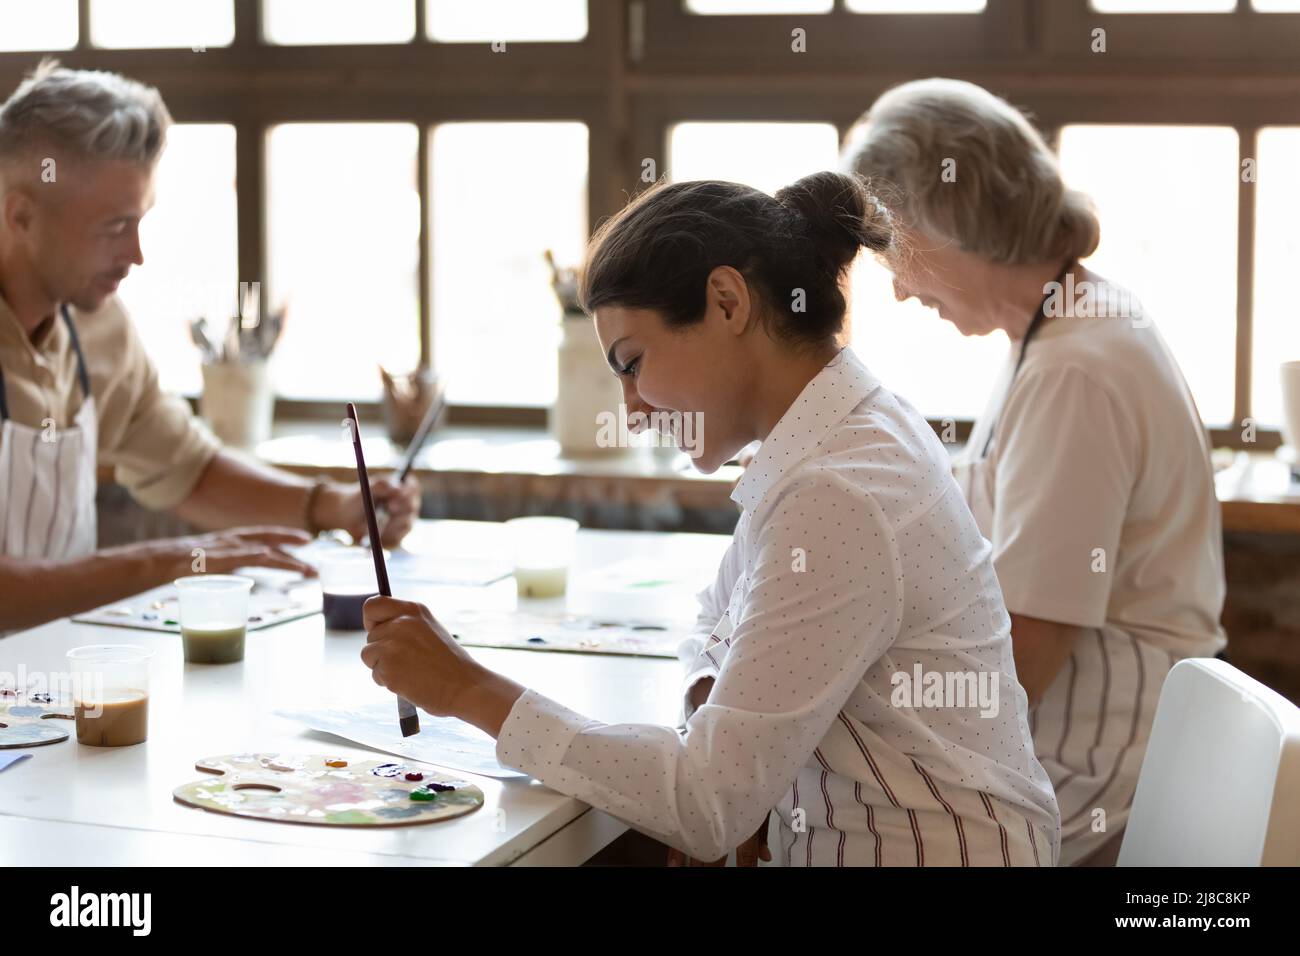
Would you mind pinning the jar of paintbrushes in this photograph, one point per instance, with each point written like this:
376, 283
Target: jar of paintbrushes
586, 394
238, 400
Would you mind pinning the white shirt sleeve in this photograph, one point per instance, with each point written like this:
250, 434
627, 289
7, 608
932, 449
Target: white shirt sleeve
1062, 486
713, 603
695, 651
823, 604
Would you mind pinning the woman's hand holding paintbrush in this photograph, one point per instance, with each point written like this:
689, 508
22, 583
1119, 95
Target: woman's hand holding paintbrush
413, 655
408, 719
409, 652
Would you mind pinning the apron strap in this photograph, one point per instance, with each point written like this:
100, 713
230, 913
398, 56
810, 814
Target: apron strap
82, 374
1034, 325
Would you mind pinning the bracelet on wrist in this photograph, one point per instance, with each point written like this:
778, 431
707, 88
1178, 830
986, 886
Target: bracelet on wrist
309, 507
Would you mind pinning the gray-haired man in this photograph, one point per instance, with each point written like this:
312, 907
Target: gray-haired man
78, 151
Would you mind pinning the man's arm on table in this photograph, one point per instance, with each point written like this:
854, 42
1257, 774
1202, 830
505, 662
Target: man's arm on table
266, 507
234, 490
36, 590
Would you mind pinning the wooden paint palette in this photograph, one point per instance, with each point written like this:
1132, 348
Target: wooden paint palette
310, 788
32, 723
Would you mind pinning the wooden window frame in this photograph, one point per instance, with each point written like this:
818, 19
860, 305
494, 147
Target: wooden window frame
648, 64
1243, 33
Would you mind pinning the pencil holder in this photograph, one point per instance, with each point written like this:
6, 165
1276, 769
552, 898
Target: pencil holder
238, 402
586, 395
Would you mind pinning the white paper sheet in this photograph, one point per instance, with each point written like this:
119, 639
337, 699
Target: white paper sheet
8, 760
442, 741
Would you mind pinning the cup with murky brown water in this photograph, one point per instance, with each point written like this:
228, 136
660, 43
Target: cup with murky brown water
110, 694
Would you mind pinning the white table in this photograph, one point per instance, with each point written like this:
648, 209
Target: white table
75, 805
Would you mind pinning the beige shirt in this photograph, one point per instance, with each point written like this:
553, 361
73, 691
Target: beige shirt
156, 447
1098, 496
1098, 489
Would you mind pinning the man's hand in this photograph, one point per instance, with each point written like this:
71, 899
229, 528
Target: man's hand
396, 507
36, 590
223, 551
236, 490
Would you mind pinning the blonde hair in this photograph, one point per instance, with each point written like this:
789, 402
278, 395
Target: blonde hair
1004, 199
88, 114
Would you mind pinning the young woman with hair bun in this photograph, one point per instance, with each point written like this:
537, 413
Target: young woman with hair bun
851, 671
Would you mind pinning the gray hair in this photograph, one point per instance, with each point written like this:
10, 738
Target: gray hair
1003, 199
89, 114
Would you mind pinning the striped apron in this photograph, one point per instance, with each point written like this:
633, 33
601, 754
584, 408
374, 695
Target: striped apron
47, 478
1091, 726
863, 802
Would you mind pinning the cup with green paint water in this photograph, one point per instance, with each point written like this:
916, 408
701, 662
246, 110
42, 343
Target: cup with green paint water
214, 617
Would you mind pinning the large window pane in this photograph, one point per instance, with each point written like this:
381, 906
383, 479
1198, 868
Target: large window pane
1276, 6
1276, 323
48, 25
483, 21
501, 195
155, 24
756, 6
922, 357
916, 6
343, 223
190, 251
766, 156
1164, 6
338, 21
1167, 198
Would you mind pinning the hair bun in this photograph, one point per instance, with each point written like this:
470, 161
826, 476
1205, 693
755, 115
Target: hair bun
841, 216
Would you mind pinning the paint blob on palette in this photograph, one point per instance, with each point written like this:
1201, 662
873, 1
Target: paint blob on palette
327, 791
32, 720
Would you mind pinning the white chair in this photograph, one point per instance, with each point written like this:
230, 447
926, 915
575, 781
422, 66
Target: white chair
1220, 782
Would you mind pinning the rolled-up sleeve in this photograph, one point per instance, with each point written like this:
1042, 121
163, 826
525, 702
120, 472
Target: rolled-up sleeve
822, 604
696, 651
713, 603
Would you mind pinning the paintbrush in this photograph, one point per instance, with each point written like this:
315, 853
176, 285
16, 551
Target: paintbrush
407, 718
436, 405
199, 336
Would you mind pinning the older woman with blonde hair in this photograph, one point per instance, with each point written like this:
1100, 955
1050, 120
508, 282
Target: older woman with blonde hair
1089, 470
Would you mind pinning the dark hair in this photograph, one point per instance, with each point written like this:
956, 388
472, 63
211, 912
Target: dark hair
658, 252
